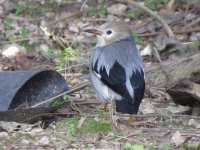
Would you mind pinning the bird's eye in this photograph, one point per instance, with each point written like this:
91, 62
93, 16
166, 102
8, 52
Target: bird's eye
108, 31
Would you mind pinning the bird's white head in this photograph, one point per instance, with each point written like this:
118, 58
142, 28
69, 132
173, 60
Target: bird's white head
110, 32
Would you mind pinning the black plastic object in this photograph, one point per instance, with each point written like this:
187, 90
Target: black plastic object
29, 87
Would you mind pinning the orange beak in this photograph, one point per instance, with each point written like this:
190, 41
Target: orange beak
93, 31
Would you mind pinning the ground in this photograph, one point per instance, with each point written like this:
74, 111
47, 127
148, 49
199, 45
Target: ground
48, 35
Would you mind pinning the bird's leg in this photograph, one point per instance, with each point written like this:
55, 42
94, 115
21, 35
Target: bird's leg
130, 119
111, 112
105, 106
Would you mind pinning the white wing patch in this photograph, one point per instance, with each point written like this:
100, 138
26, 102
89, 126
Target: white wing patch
98, 75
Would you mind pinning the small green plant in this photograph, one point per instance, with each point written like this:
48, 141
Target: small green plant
68, 125
167, 147
97, 12
90, 126
129, 146
31, 10
198, 2
197, 43
24, 32
142, 134
137, 147
138, 40
63, 56
164, 1
69, 52
8, 21
19, 9
59, 101
56, 102
151, 147
132, 13
57, 68
174, 122
151, 4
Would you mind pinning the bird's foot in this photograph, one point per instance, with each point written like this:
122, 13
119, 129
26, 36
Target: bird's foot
131, 119
104, 108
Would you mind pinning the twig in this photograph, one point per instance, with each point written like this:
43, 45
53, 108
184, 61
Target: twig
183, 132
182, 31
134, 140
22, 40
73, 66
143, 122
165, 26
97, 20
128, 136
86, 103
170, 4
49, 114
81, 121
161, 66
165, 116
65, 17
194, 22
186, 11
83, 5
19, 18
64, 93
72, 103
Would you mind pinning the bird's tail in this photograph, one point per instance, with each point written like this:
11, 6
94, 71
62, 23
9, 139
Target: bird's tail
124, 106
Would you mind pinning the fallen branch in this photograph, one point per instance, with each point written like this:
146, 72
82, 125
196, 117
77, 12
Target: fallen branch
161, 66
83, 5
165, 26
178, 69
166, 116
64, 93
18, 18
170, 5
48, 115
88, 102
182, 31
23, 39
194, 22
81, 121
64, 18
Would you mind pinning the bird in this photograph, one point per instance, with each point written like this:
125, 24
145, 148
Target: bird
116, 67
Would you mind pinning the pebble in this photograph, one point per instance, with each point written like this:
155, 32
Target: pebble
190, 17
50, 14
44, 140
193, 123
178, 110
24, 141
195, 36
117, 9
3, 135
73, 28
126, 19
43, 23
44, 48
12, 50
177, 138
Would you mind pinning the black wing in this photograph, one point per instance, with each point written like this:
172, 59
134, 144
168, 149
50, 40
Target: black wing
138, 84
116, 80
